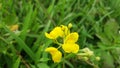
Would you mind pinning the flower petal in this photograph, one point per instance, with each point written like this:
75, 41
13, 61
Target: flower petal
49, 36
51, 49
56, 54
56, 57
72, 38
70, 48
55, 33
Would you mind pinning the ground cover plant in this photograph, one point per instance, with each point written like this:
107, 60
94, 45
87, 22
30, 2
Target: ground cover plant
59, 34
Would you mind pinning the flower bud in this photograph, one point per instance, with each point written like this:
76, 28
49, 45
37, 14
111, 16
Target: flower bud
69, 25
85, 58
90, 53
97, 58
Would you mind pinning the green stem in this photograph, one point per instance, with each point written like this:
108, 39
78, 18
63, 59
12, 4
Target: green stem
92, 64
64, 60
4, 40
58, 43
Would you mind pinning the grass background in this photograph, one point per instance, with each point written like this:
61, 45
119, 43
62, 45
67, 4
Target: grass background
96, 21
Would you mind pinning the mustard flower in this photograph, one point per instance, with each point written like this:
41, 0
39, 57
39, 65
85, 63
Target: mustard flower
55, 33
56, 54
69, 45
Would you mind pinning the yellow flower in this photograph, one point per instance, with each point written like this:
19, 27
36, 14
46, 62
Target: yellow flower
14, 27
55, 33
69, 45
56, 54
70, 48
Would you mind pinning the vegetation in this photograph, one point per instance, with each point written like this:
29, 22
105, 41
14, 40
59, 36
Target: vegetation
23, 24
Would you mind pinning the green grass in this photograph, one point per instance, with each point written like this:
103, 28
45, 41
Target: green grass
96, 21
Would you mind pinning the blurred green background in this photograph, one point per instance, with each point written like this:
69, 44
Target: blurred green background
96, 21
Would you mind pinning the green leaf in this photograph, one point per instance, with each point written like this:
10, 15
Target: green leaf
116, 53
27, 22
22, 44
50, 8
103, 39
17, 63
108, 61
44, 59
42, 65
115, 5
10, 19
69, 64
111, 29
71, 55
41, 36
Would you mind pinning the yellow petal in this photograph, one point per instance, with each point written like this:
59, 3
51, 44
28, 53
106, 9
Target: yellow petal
70, 48
56, 57
51, 49
55, 33
56, 54
49, 36
72, 38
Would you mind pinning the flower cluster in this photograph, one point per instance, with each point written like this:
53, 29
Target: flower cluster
86, 54
69, 39
68, 45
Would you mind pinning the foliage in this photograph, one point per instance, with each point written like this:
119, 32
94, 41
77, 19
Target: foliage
23, 46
